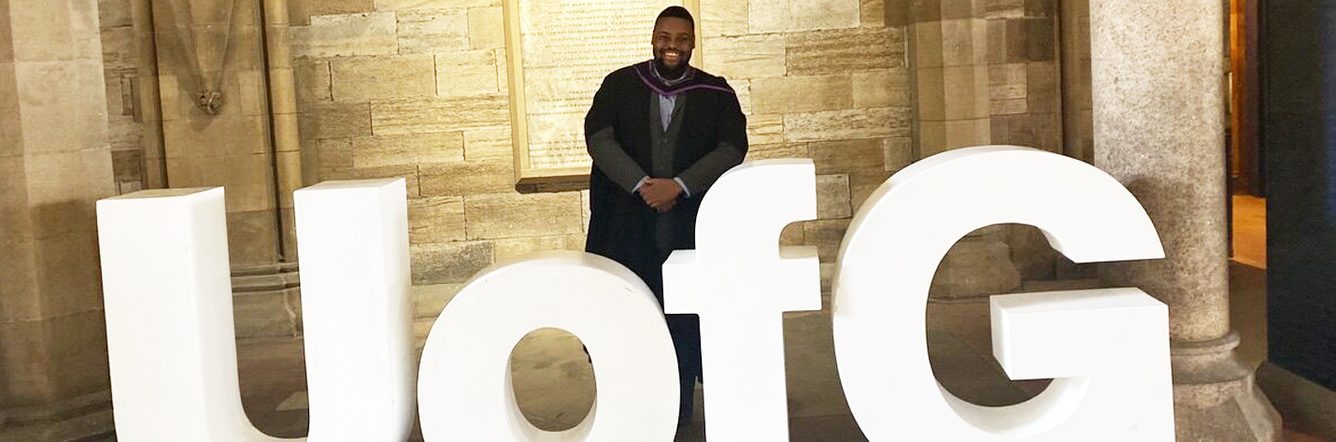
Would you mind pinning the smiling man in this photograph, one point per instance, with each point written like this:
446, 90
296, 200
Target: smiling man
660, 133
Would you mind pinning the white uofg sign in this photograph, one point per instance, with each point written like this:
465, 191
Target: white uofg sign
173, 356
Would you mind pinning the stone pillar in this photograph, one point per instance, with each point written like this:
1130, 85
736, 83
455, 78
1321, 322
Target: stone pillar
1157, 74
55, 162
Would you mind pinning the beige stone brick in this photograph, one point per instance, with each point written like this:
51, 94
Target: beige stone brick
723, 17
428, 31
881, 88
252, 237
460, 73
769, 16
6, 50
772, 16
1042, 84
976, 267
334, 153
111, 14
50, 31
335, 120
487, 28
440, 115
429, 300
576, 241
872, 13
118, 47
966, 133
403, 5
409, 173
450, 262
1007, 107
964, 42
846, 156
327, 7
492, 143
898, 153
61, 188
931, 94
927, 43
823, 14
10, 121
57, 96
792, 235
221, 136
827, 272
778, 150
832, 196
515, 248
64, 354
175, 102
826, 235
1006, 81
248, 179
390, 150
749, 56
66, 276
765, 129
829, 52
384, 76
299, 12
862, 184
742, 88
468, 178
502, 71
1005, 8
847, 124
931, 138
512, 215
966, 91
254, 96
780, 95
345, 35
432, 220
584, 206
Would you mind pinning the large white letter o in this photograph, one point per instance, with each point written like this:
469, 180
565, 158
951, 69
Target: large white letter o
464, 390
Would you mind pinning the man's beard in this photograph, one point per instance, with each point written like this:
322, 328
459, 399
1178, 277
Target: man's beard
669, 73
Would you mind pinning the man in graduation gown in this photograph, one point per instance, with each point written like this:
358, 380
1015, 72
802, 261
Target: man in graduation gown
660, 133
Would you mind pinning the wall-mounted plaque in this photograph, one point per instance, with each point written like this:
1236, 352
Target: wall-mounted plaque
558, 52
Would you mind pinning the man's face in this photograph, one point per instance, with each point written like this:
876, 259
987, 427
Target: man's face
673, 41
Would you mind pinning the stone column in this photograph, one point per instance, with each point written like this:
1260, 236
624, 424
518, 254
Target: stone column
55, 161
1157, 70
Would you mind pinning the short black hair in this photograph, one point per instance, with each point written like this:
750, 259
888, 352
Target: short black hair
676, 12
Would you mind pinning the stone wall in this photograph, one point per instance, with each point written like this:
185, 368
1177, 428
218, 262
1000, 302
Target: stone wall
55, 161
124, 119
419, 89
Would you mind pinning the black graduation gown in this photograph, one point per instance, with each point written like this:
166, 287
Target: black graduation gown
621, 226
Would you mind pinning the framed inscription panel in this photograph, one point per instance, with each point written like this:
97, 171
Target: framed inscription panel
558, 52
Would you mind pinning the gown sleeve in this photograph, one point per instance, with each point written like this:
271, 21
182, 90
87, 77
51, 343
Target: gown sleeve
601, 140
729, 152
